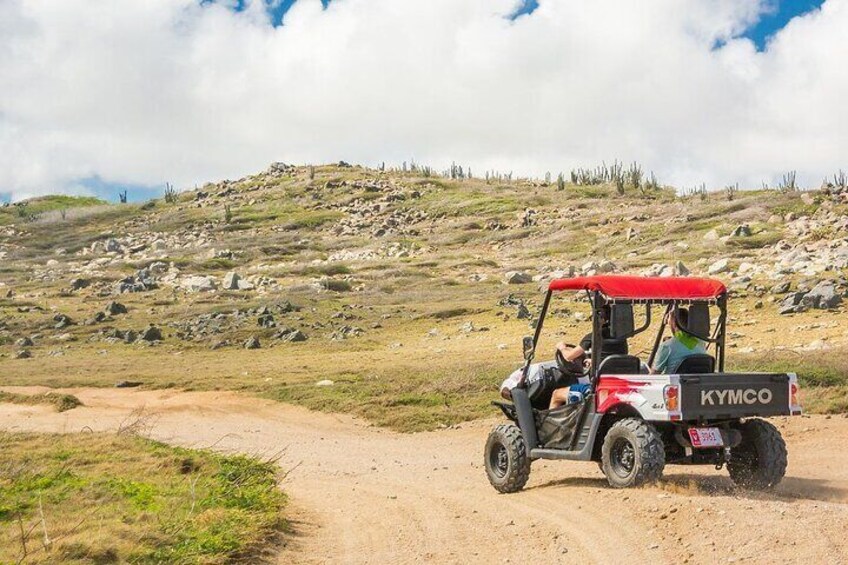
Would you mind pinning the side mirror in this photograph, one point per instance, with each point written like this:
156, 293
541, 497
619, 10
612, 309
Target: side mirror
528, 347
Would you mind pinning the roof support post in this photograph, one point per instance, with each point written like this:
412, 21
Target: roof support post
597, 334
539, 323
722, 330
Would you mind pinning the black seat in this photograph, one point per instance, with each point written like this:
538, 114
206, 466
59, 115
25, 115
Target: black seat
697, 364
620, 365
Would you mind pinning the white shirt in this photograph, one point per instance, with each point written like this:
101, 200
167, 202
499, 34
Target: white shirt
533, 375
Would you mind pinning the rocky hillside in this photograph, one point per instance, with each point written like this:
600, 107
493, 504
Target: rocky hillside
339, 270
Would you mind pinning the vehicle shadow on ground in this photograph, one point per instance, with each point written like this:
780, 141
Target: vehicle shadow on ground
791, 488
599, 482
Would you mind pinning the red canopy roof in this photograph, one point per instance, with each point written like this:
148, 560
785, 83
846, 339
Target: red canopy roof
630, 287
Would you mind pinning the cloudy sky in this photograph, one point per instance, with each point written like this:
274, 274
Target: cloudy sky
100, 94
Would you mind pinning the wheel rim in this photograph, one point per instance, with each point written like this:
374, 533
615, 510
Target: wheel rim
499, 460
622, 457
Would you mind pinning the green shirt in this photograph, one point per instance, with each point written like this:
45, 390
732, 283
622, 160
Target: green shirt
673, 351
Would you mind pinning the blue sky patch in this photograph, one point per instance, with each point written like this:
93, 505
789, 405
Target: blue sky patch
106, 190
777, 18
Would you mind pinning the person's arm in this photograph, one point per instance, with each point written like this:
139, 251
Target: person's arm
570, 353
510, 383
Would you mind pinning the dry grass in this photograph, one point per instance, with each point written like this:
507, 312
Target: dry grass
61, 402
396, 374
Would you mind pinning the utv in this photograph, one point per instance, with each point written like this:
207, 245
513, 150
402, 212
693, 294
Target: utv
634, 423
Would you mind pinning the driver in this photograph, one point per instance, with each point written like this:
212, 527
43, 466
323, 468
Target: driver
572, 354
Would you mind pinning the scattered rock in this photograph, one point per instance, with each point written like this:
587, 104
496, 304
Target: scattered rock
742, 231
680, 269
325, 382
128, 384
62, 321
23, 354
606, 266
781, 288
115, 308
346, 332
77, 284
97, 318
252, 343
517, 277
792, 304
266, 320
293, 336
198, 283
231, 281
151, 334
720, 266
24, 342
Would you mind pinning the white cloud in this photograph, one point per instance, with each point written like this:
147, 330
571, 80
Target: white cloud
143, 92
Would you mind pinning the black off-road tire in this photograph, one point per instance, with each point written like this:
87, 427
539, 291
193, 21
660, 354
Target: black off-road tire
633, 454
507, 464
759, 462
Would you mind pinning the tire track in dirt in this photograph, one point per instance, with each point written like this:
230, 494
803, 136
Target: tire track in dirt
361, 494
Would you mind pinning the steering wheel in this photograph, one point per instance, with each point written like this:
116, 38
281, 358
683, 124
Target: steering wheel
560, 359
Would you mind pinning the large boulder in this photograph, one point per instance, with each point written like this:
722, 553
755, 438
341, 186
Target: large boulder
824, 296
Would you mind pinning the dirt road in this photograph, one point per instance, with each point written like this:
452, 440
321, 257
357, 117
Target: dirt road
360, 494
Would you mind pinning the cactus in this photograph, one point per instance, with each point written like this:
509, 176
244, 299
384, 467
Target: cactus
122, 197
170, 193
730, 191
228, 214
560, 182
788, 183
311, 172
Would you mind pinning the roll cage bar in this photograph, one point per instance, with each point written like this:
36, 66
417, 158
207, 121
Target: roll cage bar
598, 301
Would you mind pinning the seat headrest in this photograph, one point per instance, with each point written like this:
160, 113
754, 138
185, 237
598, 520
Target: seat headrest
699, 320
621, 322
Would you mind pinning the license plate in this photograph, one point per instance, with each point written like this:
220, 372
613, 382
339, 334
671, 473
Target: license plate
705, 437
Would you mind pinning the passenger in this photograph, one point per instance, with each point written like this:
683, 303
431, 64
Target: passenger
679, 346
609, 347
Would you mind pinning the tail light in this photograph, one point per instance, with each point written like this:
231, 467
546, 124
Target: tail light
793, 395
671, 395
